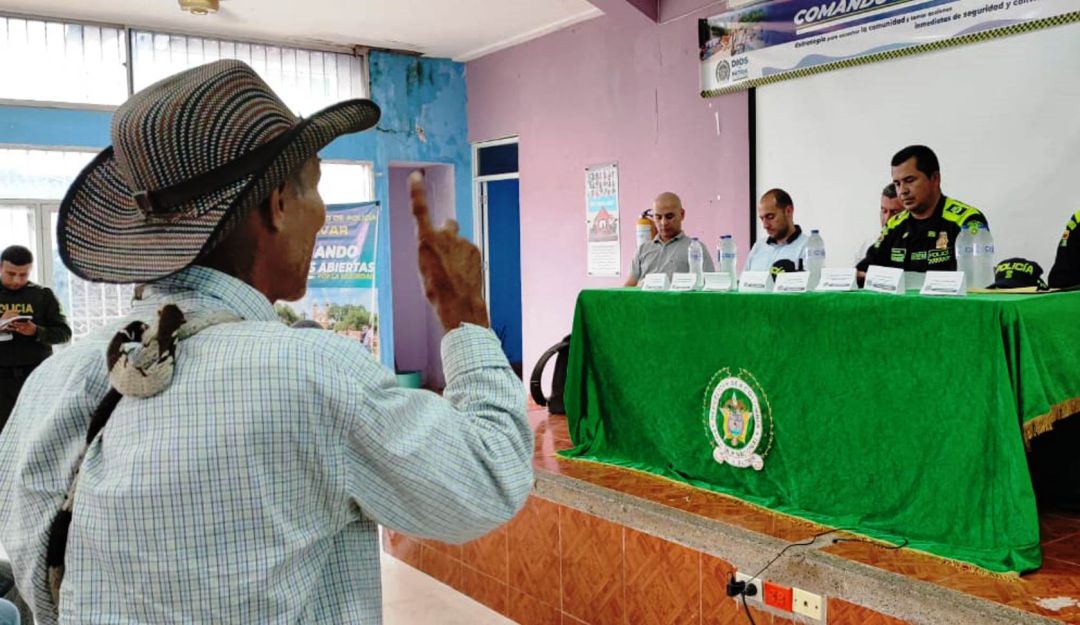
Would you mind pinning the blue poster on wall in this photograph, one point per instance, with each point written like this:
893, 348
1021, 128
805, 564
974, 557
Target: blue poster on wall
341, 294
344, 254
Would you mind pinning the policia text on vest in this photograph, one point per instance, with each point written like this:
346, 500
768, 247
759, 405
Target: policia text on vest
21, 354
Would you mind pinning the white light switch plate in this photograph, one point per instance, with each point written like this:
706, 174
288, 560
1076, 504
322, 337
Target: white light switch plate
807, 604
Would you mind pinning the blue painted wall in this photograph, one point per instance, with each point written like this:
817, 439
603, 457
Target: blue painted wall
54, 127
424, 120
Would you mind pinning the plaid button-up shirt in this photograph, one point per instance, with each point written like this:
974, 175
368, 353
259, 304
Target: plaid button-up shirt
251, 489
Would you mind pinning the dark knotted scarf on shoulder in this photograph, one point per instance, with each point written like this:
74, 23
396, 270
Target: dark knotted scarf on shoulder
141, 359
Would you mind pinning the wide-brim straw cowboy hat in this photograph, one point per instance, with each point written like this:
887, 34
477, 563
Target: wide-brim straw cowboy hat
190, 156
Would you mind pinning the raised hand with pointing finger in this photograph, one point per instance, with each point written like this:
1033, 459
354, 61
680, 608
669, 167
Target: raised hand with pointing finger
450, 266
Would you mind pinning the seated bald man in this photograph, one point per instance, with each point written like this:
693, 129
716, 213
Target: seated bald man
666, 253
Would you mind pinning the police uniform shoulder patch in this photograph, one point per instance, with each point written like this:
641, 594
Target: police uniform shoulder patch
958, 212
1069, 227
895, 221
738, 419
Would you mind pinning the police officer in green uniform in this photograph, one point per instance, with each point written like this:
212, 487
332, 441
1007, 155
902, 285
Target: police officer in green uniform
24, 344
1066, 269
922, 237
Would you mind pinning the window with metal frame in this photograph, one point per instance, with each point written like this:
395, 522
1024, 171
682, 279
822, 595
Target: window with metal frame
344, 182
88, 305
62, 62
33, 181
307, 80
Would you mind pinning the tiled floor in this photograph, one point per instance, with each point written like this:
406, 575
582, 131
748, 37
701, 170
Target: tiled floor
412, 598
1058, 578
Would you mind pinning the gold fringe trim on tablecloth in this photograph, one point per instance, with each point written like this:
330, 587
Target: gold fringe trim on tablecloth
1044, 423
967, 567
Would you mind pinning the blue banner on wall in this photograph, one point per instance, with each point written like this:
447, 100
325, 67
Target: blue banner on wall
341, 294
345, 248
779, 39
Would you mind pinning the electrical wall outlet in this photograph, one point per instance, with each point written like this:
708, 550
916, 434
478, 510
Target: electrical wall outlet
806, 603
757, 596
777, 596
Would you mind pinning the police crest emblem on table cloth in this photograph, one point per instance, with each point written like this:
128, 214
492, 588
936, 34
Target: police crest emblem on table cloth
738, 419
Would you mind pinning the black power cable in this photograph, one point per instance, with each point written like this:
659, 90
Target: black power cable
749, 616
742, 589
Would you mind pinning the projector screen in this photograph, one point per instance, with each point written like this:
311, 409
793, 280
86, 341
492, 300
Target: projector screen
1003, 117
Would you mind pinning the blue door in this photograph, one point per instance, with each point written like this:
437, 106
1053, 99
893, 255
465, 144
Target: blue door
504, 265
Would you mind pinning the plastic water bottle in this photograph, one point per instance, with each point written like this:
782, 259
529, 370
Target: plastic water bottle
984, 257
814, 258
727, 256
965, 257
695, 256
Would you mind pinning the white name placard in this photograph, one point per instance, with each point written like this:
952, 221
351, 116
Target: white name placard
718, 281
684, 282
837, 279
791, 282
655, 282
943, 283
754, 282
885, 280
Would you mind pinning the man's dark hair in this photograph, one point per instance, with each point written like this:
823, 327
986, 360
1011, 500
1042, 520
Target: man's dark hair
783, 200
925, 159
889, 191
17, 255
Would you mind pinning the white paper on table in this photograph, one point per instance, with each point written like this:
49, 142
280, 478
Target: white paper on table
655, 282
885, 280
837, 279
717, 281
791, 282
684, 282
754, 282
947, 283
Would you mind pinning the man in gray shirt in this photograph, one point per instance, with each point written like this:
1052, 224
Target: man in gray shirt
666, 253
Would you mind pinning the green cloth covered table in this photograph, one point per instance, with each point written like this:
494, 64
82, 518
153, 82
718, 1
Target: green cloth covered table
898, 417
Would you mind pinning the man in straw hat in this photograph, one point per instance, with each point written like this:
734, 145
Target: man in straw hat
206, 464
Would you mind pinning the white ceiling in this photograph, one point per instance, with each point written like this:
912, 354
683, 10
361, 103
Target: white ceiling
457, 29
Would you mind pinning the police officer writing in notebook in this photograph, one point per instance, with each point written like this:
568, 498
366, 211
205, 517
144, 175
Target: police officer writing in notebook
26, 342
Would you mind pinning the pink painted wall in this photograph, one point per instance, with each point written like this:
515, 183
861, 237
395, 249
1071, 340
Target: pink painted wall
615, 88
675, 9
